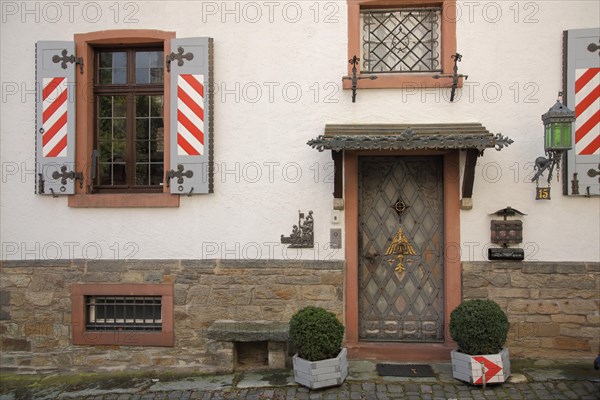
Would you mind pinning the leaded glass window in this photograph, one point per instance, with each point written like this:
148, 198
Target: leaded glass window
129, 140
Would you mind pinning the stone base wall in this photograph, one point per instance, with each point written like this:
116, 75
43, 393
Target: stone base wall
35, 314
553, 308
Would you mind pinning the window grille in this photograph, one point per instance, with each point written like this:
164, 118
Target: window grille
401, 40
125, 313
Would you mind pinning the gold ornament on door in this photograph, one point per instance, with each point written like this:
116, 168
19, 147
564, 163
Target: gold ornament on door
400, 247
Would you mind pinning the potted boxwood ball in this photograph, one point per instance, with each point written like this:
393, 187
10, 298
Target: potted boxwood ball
480, 328
317, 336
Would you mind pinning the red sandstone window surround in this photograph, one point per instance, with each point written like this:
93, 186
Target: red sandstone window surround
87, 45
393, 78
82, 295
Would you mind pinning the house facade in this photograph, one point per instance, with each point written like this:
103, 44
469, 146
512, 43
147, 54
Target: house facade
179, 178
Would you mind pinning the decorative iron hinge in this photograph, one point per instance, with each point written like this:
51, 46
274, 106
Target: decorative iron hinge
63, 175
179, 174
302, 235
68, 59
179, 57
593, 47
592, 173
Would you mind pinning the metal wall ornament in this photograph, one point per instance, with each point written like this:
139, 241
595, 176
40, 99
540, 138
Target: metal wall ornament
455, 76
302, 236
557, 140
506, 232
354, 78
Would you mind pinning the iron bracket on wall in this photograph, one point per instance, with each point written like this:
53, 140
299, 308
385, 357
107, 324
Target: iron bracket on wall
575, 184
302, 236
354, 78
64, 59
41, 184
455, 76
179, 57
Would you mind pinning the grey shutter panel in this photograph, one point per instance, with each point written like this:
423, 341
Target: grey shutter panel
55, 118
582, 79
191, 129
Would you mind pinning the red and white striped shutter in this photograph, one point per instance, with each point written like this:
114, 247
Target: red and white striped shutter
191, 69
583, 96
55, 117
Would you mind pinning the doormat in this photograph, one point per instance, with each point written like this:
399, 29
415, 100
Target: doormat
405, 370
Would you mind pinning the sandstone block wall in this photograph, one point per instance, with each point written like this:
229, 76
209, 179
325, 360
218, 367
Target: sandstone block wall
553, 308
35, 312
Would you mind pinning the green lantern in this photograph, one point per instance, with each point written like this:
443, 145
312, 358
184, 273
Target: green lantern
557, 140
557, 128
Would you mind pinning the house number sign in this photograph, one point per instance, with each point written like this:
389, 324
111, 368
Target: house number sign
542, 193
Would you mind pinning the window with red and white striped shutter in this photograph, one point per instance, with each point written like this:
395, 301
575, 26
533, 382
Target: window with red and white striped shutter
191, 72
583, 96
55, 118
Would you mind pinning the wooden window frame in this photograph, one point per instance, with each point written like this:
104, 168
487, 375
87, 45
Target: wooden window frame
85, 44
404, 80
129, 89
165, 338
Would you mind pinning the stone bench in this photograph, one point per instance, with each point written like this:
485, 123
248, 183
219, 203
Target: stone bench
255, 344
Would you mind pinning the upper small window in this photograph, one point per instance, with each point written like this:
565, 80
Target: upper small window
129, 138
406, 43
401, 40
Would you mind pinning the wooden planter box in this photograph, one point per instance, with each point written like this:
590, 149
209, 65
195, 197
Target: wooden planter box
321, 374
468, 368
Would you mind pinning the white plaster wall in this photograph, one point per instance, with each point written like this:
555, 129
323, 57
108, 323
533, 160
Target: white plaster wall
247, 213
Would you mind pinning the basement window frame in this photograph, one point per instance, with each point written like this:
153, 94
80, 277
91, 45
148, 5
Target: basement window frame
83, 336
403, 80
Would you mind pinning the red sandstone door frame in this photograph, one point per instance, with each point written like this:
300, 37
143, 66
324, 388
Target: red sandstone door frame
452, 273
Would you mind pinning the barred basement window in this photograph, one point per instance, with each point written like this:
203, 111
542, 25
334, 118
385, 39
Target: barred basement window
131, 314
123, 313
401, 40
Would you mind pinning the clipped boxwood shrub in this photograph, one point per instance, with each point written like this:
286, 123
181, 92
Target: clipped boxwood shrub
479, 327
316, 333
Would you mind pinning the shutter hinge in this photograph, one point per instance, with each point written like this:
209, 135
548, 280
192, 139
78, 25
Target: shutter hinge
179, 57
179, 174
64, 175
64, 59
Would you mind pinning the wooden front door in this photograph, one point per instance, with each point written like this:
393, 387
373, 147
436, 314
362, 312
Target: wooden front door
401, 193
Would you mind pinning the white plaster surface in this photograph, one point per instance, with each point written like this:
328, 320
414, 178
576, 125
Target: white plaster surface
248, 213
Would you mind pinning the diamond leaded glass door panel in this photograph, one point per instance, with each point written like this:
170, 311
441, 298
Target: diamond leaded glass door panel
401, 194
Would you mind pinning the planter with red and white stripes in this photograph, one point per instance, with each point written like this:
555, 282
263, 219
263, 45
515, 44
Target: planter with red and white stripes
489, 368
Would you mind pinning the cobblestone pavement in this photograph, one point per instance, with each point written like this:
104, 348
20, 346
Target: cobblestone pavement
370, 391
